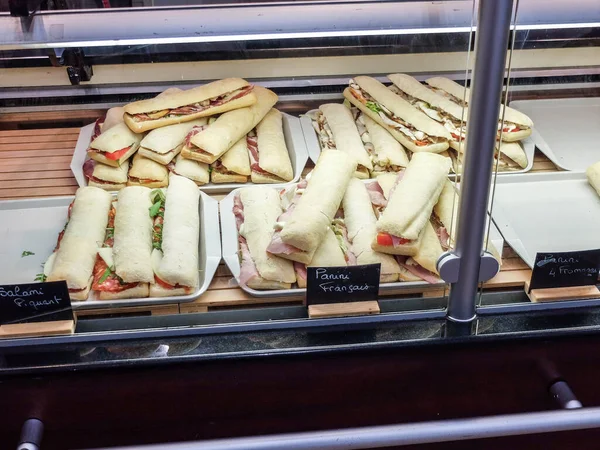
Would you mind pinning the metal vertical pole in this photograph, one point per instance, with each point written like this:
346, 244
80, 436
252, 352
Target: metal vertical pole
493, 29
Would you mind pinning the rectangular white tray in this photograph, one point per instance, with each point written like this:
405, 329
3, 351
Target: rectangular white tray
33, 225
547, 212
230, 256
294, 141
314, 149
566, 130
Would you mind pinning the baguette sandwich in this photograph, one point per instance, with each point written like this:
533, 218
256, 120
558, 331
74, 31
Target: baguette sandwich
163, 144
175, 238
121, 269
410, 204
209, 144
336, 130
509, 156
408, 125
106, 177
269, 156
256, 211
133, 240
333, 252
182, 106
516, 125
387, 154
74, 257
361, 222
437, 106
302, 227
593, 176
148, 173
194, 170
233, 166
114, 146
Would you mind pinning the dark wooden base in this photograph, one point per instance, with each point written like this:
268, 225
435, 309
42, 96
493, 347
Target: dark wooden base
192, 401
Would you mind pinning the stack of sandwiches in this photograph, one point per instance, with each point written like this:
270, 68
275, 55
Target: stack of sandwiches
280, 235
225, 132
340, 127
142, 243
414, 117
403, 221
446, 102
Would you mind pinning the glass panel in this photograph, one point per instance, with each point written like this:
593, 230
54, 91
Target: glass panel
542, 200
64, 80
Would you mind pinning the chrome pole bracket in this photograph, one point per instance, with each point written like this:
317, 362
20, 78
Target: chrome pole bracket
448, 267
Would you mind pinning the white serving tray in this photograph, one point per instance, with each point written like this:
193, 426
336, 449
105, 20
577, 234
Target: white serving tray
314, 149
34, 224
566, 130
230, 256
547, 212
294, 141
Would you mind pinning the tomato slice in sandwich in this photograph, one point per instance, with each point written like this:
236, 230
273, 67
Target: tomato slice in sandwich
163, 283
118, 154
387, 240
384, 239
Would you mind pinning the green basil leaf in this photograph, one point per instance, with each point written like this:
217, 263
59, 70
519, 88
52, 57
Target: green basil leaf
26, 253
40, 277
105, 275
373, 107
154, 209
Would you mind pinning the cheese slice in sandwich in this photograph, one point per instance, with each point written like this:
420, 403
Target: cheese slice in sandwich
114, 146
516, 125
256, 211
437, 106
77, 246
194, 170
163, 144
330, 253
336, 130
133, 236
302, 227
410, 204
270, 159
387, 154
208, 145
106, 177
175, 258
182, 106
408, 125
148, 173
593, 176
233, 166
360, 223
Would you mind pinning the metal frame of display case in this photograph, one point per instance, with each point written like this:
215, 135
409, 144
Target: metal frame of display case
69, 29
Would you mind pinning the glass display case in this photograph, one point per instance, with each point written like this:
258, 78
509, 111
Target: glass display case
292, 136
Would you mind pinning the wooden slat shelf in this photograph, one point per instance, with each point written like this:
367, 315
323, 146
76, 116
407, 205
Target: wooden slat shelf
35, 163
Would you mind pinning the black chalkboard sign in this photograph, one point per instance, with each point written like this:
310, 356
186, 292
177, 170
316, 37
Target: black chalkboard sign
342, 284
35, 302
566, 269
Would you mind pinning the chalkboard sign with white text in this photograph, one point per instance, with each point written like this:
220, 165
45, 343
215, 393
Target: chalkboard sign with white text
342, 284
565, 269
35, 302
